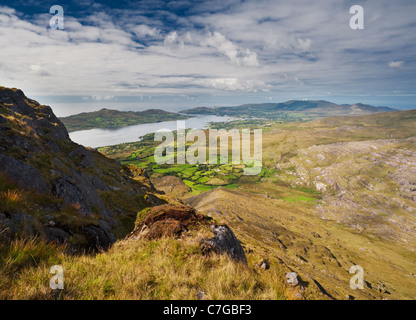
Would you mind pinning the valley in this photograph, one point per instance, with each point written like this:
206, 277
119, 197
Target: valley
333, 193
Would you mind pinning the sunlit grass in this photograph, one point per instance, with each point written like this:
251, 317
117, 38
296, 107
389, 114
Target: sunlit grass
137, 269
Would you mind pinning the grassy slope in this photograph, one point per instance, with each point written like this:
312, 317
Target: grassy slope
372, 223
279, 215
158, 269
106, 118
274, 218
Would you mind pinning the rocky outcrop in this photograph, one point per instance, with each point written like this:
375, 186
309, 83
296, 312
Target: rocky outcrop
167, 220
173, 220
85, 157
56, 235
12, 225
166, 228
39, 159
26, 176
367, 185
98, 238
79, 188
186, 215
224, 242
37, 117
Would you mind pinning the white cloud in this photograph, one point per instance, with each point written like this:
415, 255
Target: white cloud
144, 30
7, 10
305, 44
171, 38
396, 64
238, 55
234, 84
249, 46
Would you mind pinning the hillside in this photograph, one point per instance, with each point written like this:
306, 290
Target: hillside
107, 118
113, 233
290, 110
57, 189
333, 192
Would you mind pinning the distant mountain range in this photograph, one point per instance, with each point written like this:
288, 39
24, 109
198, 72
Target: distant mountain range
107, 118
293, 108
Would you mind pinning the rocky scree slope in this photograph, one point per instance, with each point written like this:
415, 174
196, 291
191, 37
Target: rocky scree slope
56, 189
320, 252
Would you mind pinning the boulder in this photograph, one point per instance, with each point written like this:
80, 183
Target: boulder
98, 238
292, 279
201, 295
224, 242
264, 264
56, 235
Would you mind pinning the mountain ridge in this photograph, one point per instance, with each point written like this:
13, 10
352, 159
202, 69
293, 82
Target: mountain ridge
315, 108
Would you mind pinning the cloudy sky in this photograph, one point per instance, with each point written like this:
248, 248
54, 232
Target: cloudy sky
218, 52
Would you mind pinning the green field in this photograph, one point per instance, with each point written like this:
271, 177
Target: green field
204, 177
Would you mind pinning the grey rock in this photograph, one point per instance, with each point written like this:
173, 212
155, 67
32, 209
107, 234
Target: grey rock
24, 223
104, 225
225, 242
85, 156
67, 190
13, 224
292, 279
201, 295
98, 238
56, 235
7, 229
89, 193
78, 189
99, 184
265, 265
26, 176
18, 102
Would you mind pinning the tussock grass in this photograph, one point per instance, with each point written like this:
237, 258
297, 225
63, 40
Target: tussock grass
137, 269
22, 253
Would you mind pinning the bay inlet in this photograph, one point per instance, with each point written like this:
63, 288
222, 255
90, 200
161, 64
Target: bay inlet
101, 137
